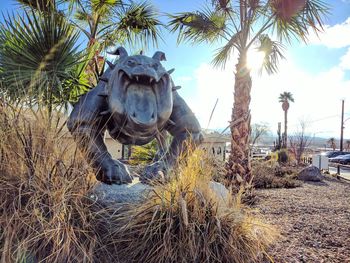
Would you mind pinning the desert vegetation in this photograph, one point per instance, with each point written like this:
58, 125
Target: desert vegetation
47, 215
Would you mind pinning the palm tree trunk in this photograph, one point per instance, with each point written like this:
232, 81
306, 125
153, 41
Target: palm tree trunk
238, 168
285, 129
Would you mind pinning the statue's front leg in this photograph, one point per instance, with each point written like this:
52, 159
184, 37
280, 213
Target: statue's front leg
180, 145
186, 132
90, 142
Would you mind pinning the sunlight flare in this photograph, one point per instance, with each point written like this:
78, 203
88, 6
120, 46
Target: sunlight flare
255, 59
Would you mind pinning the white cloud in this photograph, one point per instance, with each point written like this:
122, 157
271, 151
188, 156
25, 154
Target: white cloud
345, 61
317, 97
336, 36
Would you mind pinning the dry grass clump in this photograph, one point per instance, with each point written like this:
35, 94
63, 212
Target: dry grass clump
44, 215
185, 221
271, 175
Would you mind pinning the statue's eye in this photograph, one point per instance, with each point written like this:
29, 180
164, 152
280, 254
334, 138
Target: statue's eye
155, 66
131, 63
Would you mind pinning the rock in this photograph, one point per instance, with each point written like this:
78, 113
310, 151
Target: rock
117, 196
311, 173
220, 190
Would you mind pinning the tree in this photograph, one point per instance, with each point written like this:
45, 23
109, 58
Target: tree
299, 142
348, 145
39, 59
106, 23
258, 130
144, 154
331, 143
244, 25
285, 98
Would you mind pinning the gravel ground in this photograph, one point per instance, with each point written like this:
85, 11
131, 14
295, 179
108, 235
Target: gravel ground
314, 221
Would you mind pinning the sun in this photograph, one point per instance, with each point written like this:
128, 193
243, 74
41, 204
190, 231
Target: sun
255, 59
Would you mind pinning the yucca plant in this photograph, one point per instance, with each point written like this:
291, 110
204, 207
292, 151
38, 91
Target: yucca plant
39, 59
244, 25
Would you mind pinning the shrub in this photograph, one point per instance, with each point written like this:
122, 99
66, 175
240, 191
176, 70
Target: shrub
267, 175
282, 156
45, 215
184, 221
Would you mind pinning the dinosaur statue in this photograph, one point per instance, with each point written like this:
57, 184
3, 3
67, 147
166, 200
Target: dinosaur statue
136, 101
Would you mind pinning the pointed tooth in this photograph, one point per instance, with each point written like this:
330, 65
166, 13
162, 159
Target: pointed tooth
171, 71
110, 64
103, 79
176, 88
151, 80
104, 113
137, 78
126, 83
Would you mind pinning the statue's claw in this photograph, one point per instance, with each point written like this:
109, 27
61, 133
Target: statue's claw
114, 172
154, 172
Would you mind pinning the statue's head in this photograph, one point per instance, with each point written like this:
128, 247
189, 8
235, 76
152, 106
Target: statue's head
140, 92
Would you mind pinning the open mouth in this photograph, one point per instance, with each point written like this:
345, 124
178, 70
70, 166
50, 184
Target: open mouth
140, 79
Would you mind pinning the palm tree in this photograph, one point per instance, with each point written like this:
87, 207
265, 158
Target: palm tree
285, 98
106, 23
39, 58
348, 145
243, 25
332, 143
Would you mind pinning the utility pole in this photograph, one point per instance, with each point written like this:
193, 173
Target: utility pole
341, 132
342, 125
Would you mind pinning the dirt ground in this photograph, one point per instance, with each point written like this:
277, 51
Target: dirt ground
314, 221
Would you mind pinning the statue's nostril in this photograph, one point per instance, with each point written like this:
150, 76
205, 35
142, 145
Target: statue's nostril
152, 115
134, 115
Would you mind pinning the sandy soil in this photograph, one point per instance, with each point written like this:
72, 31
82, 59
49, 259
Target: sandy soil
314, 221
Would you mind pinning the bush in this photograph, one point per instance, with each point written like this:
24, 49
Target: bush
184, 221
269, 175
282, 156
45, 214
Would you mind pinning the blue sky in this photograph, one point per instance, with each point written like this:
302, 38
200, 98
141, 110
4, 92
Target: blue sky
318, 74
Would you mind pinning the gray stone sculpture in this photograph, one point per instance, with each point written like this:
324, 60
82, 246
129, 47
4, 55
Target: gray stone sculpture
136, 101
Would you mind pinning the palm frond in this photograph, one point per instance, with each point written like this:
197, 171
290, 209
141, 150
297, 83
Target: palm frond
297, 22
104, 7
197, 27
224, 53
286, 96
137, 23
41, 5
223, 6
37, 53
273, 52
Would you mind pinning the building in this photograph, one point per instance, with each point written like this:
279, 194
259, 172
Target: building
215, 144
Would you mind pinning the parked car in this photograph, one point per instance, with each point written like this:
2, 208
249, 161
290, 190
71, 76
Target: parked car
345, 159
340, 159
332, 154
